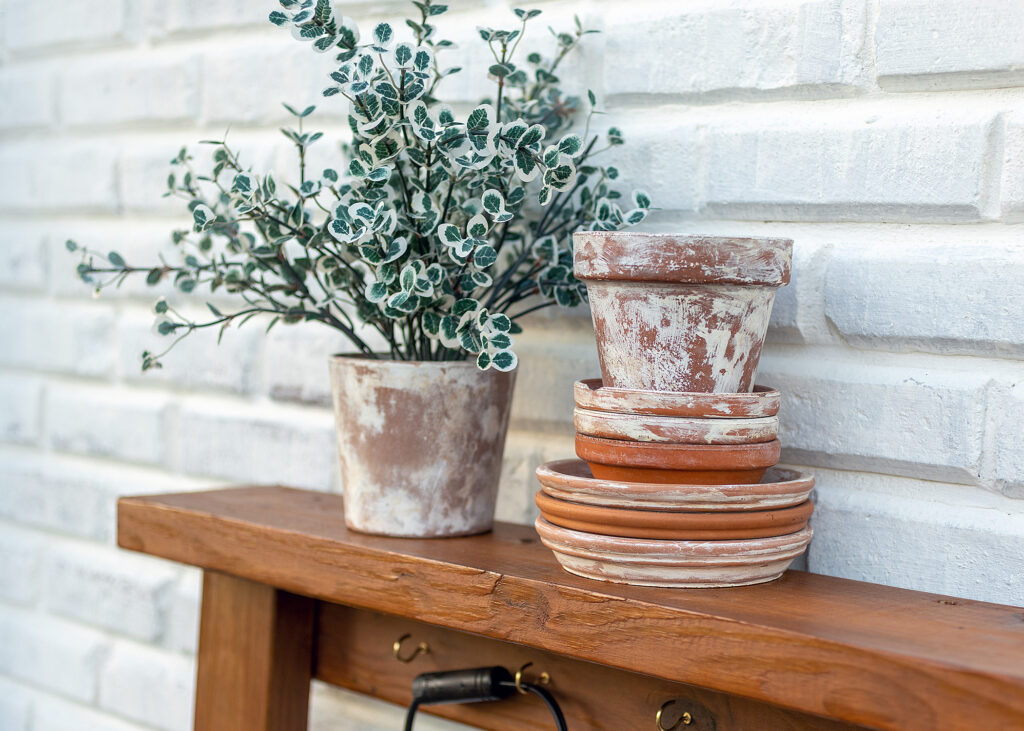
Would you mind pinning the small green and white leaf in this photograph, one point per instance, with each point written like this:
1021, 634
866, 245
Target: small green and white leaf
203, 216
504, 360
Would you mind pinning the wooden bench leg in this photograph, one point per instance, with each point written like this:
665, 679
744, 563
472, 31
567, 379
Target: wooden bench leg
255, 657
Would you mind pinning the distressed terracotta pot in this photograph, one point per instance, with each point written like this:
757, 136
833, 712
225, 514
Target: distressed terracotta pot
592, 394
680, 313
677, 564
674, 525
420, 444
674, 429
690, 464
571, 479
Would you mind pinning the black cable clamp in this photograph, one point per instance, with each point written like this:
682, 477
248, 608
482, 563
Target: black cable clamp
475, 685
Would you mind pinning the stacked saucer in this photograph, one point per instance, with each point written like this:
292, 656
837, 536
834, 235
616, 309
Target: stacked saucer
674, 489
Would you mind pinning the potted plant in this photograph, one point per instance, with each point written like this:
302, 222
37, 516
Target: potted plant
426, 252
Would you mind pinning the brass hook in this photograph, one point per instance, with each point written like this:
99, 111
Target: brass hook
396, 649
685, 720
544, 678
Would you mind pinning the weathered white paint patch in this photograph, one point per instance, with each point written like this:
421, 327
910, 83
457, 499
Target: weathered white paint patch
592, 394
675, 430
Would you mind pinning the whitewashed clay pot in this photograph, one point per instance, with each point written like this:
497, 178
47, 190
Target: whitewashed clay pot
420, 444
762, 401
570, 479
680, 313
677, 564
674, 429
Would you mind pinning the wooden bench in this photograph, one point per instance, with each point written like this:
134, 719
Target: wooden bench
290, 595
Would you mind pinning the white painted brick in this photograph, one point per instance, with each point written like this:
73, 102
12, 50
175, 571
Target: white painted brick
15, 706
197, 362
28, 97
661, 157
183, 613
20, 552
58, 176
797, 312
814, 47
22, 261
902, 420
126, 88
917, 535
108, 588
246, 83
1008, 427
946, 298
1012, 188
80, 23
20, 398
850, 166
72, 338
549, 363
125, 424
946, 44
295, 362
183, 16
257, 444
335, 709
150, 686
53, 714
51, 653
524, 453
74, 495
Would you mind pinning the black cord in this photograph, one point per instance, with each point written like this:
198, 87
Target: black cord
543, 693
549, 701
411, 714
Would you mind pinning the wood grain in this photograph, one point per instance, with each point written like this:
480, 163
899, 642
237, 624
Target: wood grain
354, 652
850, 651
255, 657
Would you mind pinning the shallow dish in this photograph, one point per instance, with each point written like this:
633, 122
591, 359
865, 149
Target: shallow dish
677, 564
693, 464
762, 401
674, 429
674, 525
571, 479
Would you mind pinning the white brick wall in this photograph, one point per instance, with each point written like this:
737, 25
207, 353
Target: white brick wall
885, 137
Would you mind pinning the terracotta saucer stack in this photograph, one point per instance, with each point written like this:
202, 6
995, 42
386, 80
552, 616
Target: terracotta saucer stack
674, 489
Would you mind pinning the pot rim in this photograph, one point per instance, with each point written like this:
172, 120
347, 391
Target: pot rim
364, 358
633, 256
592, 394
564, 474
653, 455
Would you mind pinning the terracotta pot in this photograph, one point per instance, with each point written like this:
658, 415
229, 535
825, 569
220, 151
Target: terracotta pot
761, 402
688, 464
680, 313
674, 525
677, 564
571, 479
674, 429
420, 444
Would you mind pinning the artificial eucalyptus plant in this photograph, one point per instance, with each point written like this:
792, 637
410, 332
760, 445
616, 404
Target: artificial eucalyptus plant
443, 231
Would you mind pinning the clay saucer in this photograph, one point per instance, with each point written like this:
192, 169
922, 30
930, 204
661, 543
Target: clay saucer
686, 464
677, 564
570, 479
762, 401
674, 429
675, 525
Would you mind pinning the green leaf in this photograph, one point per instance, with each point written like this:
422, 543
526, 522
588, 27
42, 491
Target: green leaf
115, 259
505, 360
483, 361
449, 234
480, 118
376, 292
160, 307
383, 34
464, 305
154, 276
70, 245
484, 256
641, 199
214, 310
592, 97
501, 323
570, 145
477, 227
